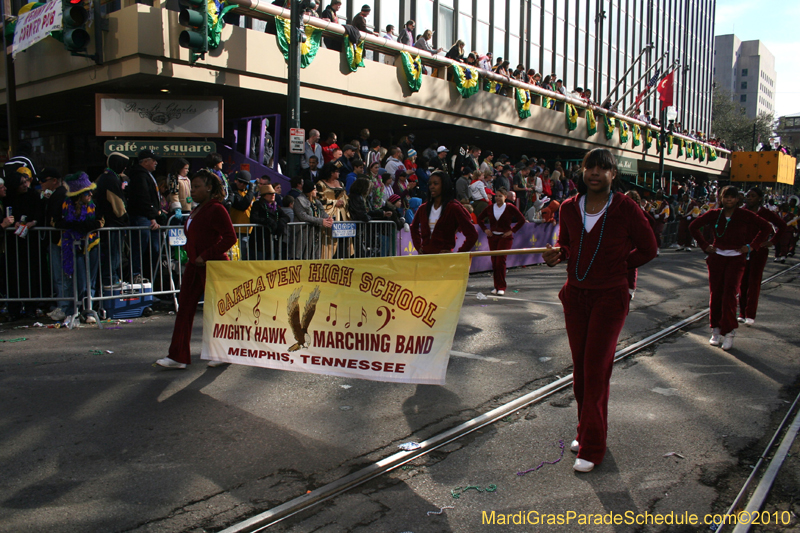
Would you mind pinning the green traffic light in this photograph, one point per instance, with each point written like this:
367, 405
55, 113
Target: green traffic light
76, 40
193, 40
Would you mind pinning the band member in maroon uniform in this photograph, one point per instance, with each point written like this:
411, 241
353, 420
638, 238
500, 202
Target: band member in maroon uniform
501, 234
433, 230
209, 235
750, 288
602, 235
737, 233
633, 273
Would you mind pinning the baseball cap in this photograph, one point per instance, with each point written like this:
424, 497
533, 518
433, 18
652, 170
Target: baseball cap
147, 154
243, 176
442, 149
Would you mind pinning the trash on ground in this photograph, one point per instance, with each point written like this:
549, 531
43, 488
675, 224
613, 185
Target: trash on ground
561, 444
95, 352
481, 296
19, 339
441, 510
409, 446
544, 359
674, 454
345, 408
109, 351
38, 325
456, 494
346, 386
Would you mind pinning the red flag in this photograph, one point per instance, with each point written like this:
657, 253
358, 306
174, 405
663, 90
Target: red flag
666, 89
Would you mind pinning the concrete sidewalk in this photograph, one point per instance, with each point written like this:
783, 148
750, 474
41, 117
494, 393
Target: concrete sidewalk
716, 409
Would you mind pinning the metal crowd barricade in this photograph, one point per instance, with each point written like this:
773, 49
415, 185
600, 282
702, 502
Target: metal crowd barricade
32, 272
670, 235
127, 265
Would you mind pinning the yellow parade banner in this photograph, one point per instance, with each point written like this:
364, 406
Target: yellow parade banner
383, 319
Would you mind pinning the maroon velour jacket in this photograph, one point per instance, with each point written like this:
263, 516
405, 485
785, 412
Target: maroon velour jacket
744, 228
502, 224
454, 218
628, 242
210, 234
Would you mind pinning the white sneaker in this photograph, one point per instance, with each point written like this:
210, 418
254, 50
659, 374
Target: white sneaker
716, 338
166, 362
631, 292
727, 342
91, 320
582, 465
678, 249
214, 364
675, 245
688, 249
501, 293
57, 314
494, 291
575, 447
741, 320
749, 321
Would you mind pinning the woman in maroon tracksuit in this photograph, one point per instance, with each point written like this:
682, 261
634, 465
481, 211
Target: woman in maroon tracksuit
736, 233
209, 235
602, 235
750, 288
433, 230
501, 234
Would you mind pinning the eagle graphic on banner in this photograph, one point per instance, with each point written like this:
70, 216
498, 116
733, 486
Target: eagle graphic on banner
300, 328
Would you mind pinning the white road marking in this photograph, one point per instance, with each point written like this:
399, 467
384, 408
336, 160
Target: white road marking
490, 296
481, 357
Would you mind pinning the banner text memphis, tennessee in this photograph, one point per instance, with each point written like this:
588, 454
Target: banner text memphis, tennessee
383, 319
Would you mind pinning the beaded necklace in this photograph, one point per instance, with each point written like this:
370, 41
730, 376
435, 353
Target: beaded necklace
583, 232
728, 221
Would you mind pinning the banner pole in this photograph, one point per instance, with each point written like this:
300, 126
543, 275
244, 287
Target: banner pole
519, 251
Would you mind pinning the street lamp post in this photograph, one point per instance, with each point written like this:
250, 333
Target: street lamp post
667, 114
297, 36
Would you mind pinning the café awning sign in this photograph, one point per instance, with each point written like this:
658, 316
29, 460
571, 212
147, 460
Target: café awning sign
157, 116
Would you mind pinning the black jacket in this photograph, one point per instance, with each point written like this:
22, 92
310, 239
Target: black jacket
357, 207
142, 193
53, 212
274, 222
110, 200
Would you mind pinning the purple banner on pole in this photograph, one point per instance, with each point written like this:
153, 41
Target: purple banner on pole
532, 235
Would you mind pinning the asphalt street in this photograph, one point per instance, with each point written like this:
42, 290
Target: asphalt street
106, 442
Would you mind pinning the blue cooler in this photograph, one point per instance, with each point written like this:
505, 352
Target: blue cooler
131, 303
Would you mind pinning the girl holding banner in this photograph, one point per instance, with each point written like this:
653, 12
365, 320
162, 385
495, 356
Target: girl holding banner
501, 234
602, 235
433, 230
209, 234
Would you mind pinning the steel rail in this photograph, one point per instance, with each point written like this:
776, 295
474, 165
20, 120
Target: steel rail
302, 503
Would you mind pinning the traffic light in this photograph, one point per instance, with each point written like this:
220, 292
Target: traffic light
75, 36
194, 15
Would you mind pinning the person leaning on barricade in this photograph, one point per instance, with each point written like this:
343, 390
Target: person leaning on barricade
54, 193
109, 197
268, 214
241, 204
21, 247
80, 238
309, 210
144, 208
209, 235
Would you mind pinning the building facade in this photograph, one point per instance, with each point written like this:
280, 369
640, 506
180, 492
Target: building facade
746, 69
789, 132
587, 43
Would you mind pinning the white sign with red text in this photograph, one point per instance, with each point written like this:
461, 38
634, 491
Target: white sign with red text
35, 25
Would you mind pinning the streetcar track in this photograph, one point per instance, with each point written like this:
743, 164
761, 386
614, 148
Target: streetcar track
306, 501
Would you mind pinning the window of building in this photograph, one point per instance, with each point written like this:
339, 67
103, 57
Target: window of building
744, 85
465, 31
743, 98
482, 38
484, 11
390, 14
446, 28
425, 17
744, 72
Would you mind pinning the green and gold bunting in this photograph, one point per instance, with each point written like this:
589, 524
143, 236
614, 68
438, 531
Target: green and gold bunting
712, 154
466, 79
493, 87
308, 49
572, 116
637, 135
680, 147
702, 154
608, 126
591, 123
546, 102
670, 144
689, 149
695, 150
648, 138
216, 22
412, 68
355, 54
623, 132
523, 97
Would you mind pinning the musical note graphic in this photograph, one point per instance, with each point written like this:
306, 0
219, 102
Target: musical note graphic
256, 310
381, 313
332, 308
364, 318
347, 326
275, 317
239, 311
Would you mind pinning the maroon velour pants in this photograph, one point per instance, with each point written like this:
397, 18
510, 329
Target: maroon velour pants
193, 285
724, 279
498, 242
751, 283
594, 319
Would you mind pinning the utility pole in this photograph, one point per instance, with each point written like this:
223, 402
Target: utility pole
662, 137
296, 37
11, 89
